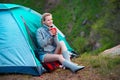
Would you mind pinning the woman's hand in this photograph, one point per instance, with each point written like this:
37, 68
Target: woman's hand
53, 31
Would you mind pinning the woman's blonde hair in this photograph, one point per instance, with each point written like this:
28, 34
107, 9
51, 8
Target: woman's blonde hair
44, 16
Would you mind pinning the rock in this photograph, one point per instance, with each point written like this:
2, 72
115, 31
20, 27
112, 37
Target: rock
112, 51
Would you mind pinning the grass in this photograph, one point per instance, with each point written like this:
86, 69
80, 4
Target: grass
103, 64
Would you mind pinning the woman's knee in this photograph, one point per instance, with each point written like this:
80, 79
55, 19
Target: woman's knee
60, 58
50, 57
63, 46
53, 57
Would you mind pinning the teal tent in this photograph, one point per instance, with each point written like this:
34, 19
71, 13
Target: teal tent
18, 25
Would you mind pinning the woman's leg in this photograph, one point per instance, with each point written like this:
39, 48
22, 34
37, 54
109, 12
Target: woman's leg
66, 63
53, 57
58, 49
63, 46
65, 52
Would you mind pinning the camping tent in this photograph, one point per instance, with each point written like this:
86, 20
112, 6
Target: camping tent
18, 25
16, 51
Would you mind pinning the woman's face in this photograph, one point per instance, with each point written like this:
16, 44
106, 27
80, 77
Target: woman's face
48, 21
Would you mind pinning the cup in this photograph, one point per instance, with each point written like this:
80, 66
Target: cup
53, 30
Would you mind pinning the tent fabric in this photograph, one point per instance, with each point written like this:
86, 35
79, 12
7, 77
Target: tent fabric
16, 52
8, 6
16, 46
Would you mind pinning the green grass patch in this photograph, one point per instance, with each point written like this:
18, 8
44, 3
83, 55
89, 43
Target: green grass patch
102, 64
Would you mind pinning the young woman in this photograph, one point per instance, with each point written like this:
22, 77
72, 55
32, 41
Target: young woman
50, 45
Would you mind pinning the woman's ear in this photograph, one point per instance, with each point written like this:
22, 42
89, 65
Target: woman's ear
43, 22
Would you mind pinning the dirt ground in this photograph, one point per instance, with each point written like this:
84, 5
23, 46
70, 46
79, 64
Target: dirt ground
60, 74
88, 73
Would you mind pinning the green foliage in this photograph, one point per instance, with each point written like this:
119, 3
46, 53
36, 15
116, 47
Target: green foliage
106, 34
107, 26
73, 15
78, 43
